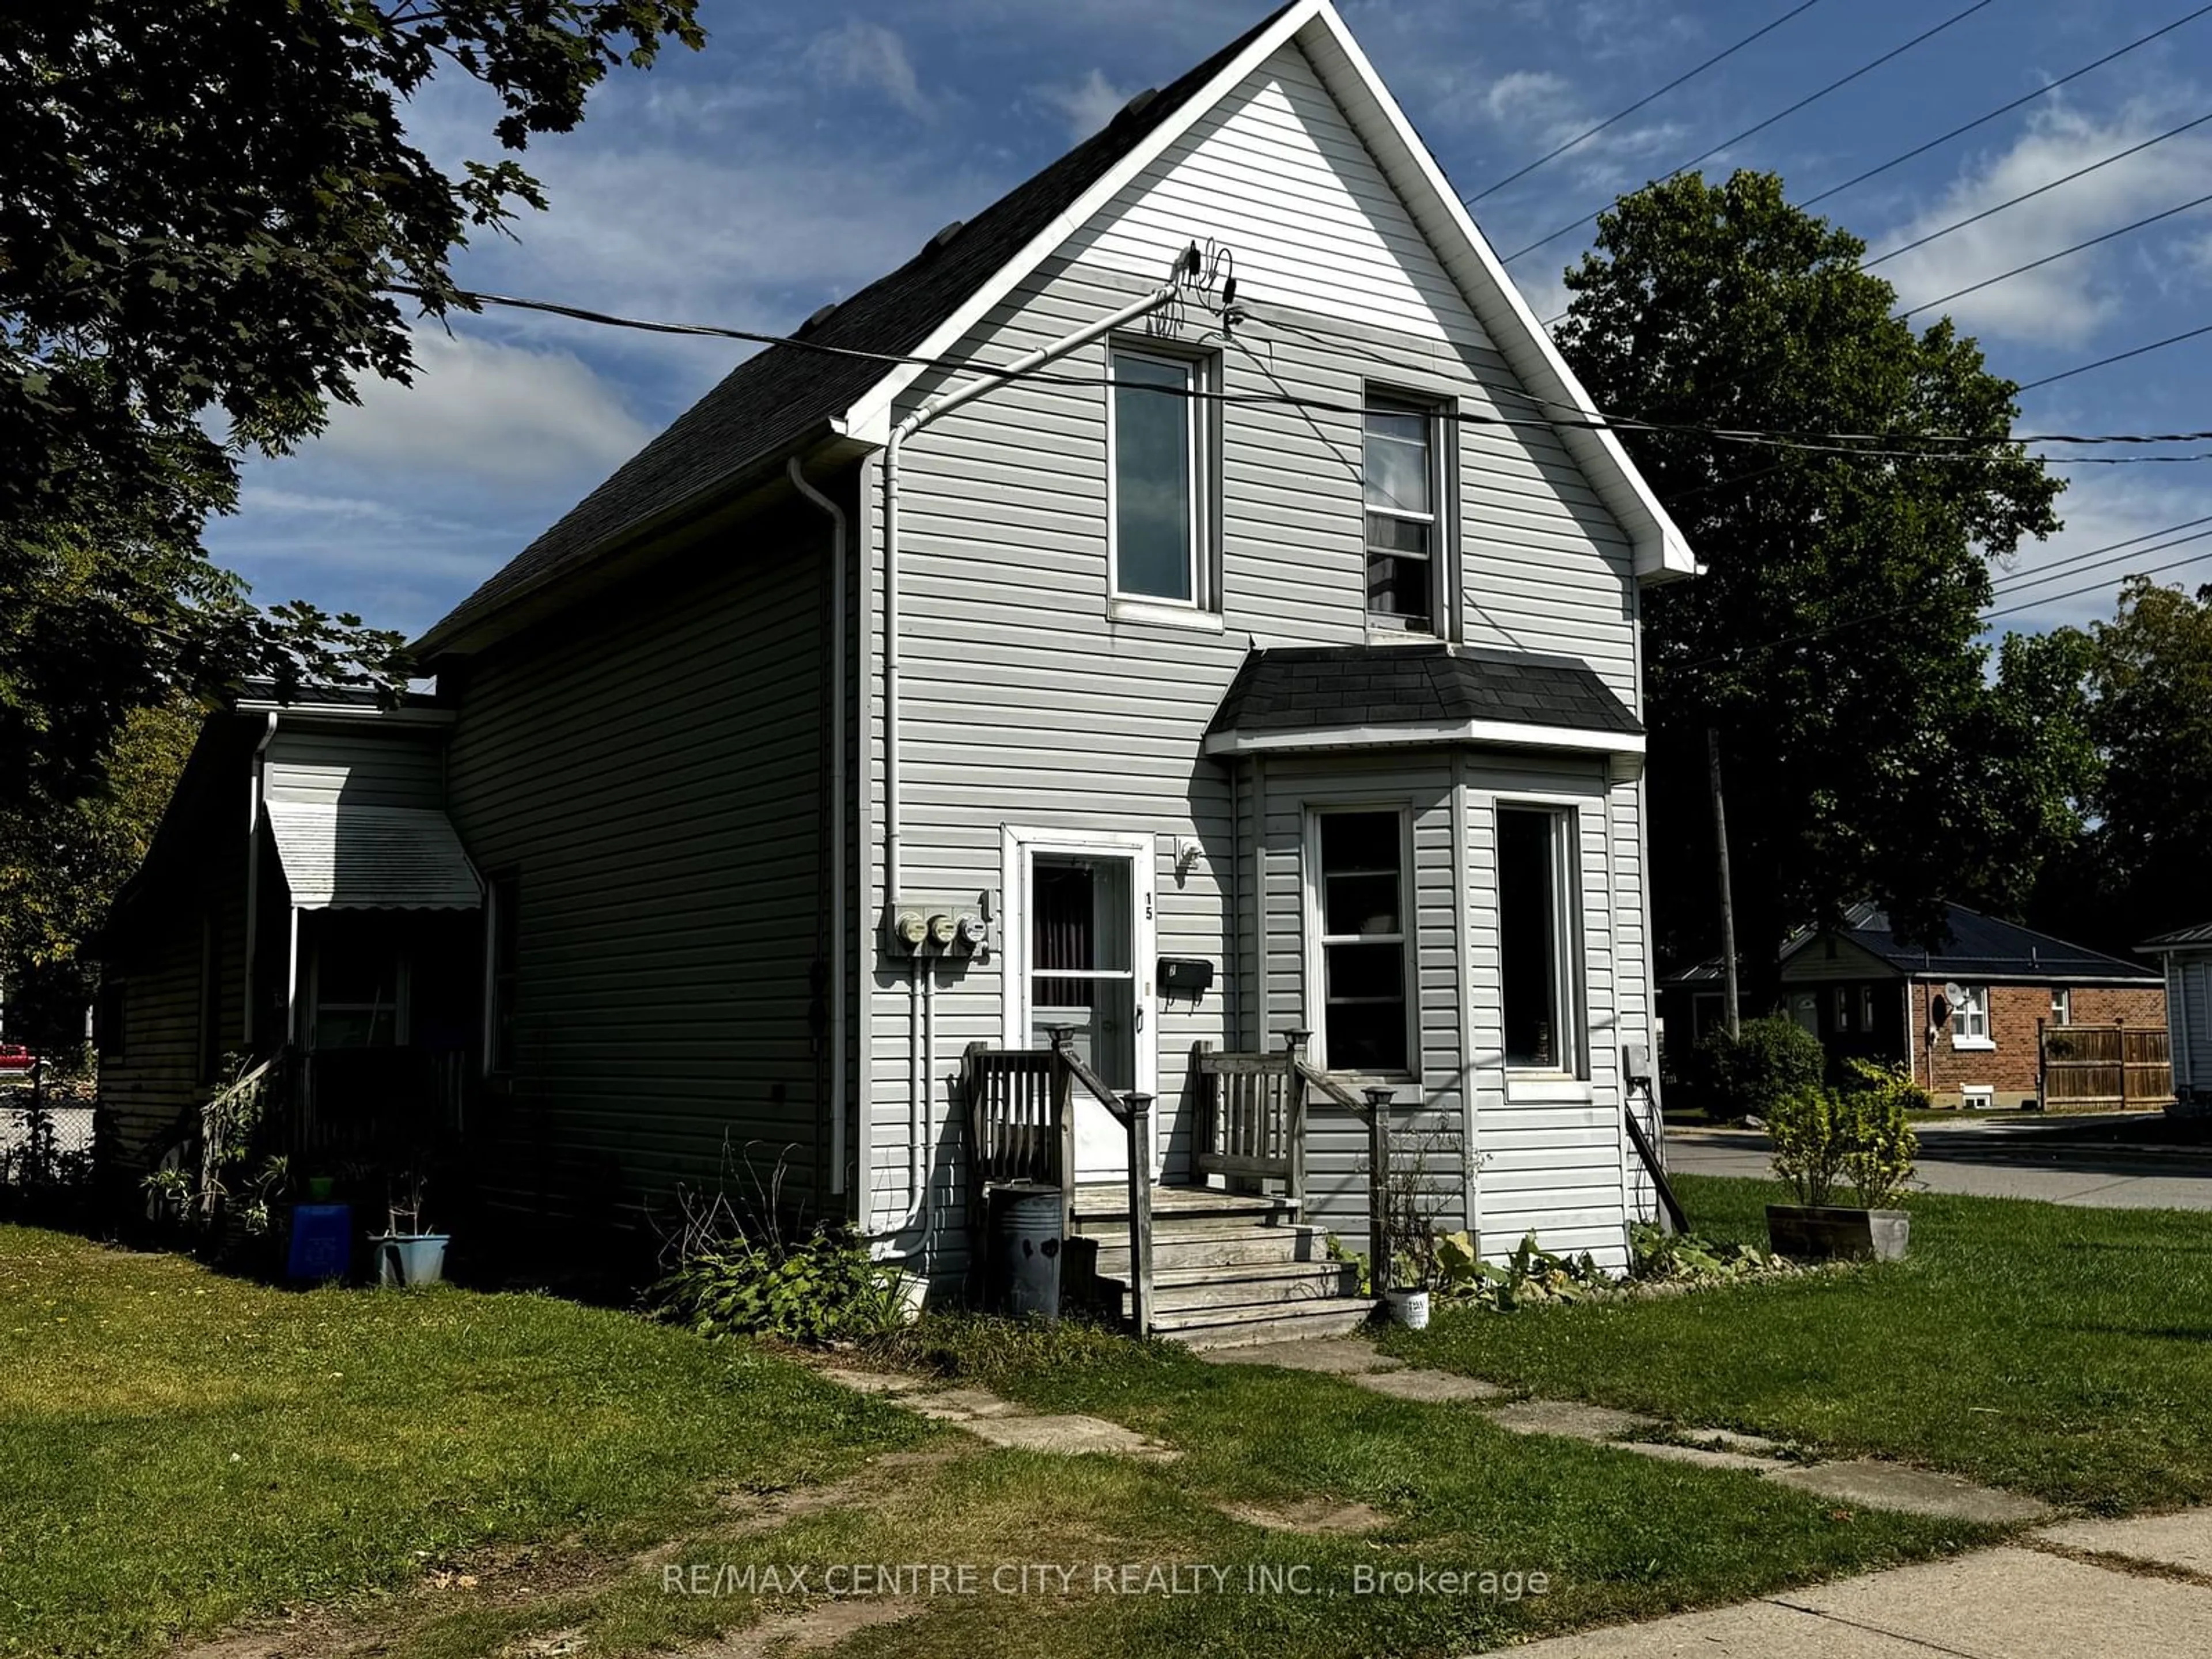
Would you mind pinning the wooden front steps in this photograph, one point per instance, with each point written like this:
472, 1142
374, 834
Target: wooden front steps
1227, 1269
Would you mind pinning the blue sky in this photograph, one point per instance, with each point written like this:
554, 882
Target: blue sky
808, 150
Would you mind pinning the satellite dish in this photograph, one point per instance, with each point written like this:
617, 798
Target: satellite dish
1953, 993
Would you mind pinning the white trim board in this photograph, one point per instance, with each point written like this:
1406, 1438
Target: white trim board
1497, 735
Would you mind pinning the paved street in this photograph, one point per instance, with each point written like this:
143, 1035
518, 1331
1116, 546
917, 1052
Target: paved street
2138, 1162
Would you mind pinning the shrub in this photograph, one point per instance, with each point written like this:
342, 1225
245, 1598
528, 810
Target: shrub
1878, 1161
822, 1286
1752, 1075
1824, 1140
1810, 1137
1885, 1084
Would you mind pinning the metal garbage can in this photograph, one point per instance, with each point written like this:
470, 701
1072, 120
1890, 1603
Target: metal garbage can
1031, 1250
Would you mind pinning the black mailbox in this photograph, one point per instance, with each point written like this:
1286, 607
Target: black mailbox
1185, 976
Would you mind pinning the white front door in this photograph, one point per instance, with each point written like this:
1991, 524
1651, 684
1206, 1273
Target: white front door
1079, 954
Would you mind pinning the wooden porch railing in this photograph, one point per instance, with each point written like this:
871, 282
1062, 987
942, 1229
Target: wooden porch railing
1021, 1131
1372, 1107
2118, 1067
1251, 1115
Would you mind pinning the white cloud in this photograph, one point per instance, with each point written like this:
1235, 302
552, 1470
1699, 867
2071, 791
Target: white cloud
2066, 302
502, 415
867, 55
1086, 105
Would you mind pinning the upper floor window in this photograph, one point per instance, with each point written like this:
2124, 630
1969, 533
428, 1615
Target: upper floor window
1157, 452
1404, 485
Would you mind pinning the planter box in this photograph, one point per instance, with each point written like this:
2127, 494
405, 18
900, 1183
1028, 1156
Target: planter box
1829, 1232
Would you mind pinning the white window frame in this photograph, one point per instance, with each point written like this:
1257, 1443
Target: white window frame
403, 1031
1316, 969
1400, 400
1571, 989
1970, 1020
1198, 375
2062, 1005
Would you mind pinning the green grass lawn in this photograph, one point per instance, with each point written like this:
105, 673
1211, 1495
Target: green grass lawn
184, 1449
178, 1448
2061, 1351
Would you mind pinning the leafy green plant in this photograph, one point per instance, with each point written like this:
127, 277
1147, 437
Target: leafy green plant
1810, 1134
1885, 1083
1656, 1256
1755, 1073
1824, 1140
822, 1287
1530, 1276
1878, 1158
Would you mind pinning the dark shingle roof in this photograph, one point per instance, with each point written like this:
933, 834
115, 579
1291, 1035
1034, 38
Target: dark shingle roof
1316, 688
776, 398
1978, 948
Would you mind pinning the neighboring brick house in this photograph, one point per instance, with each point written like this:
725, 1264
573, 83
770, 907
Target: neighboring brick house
1865, 992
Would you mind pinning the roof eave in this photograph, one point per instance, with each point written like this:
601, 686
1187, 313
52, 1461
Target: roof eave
631, 549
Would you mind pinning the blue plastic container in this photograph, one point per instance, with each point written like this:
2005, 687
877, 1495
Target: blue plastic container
322, 1241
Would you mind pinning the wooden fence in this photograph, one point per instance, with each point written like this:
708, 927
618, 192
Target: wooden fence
2119, 1067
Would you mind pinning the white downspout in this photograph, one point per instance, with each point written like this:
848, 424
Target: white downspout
918, 1104
839, 990
253, 877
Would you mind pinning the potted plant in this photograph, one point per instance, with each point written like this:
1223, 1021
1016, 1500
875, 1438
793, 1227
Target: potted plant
1405, 1299
407, 1254
1826, 1141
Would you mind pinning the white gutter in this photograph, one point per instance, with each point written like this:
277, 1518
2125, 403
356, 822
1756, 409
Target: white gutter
253, 875
893, 870
839, 990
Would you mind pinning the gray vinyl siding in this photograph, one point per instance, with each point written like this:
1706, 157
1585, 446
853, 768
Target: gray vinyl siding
193, 924
1025, 702
1428, 1116
651, 773
384, 768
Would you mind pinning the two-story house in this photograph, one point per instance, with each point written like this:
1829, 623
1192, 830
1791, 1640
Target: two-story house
1059, 633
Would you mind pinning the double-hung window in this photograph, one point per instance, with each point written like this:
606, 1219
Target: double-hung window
1402, 477
1159, 438
2061, 1005
1538, 962
1360, 895
1969, 1021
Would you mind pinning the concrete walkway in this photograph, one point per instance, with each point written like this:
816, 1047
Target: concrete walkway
1865, 1483
2102, 1162
2087, 1589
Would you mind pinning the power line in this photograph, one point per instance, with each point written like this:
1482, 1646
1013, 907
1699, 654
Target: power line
2116, 357
2059, 567
1761, 126
2036, 264
2030, 195
1895, 610
2076, 593
2001, 109
2024, 580
1868, 445
1649, 97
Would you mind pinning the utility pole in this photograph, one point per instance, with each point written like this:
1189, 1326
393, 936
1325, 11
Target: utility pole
1728, 896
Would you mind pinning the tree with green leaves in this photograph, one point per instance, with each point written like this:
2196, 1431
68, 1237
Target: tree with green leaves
205, 207
212, 225
1831, 641
2139, 868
